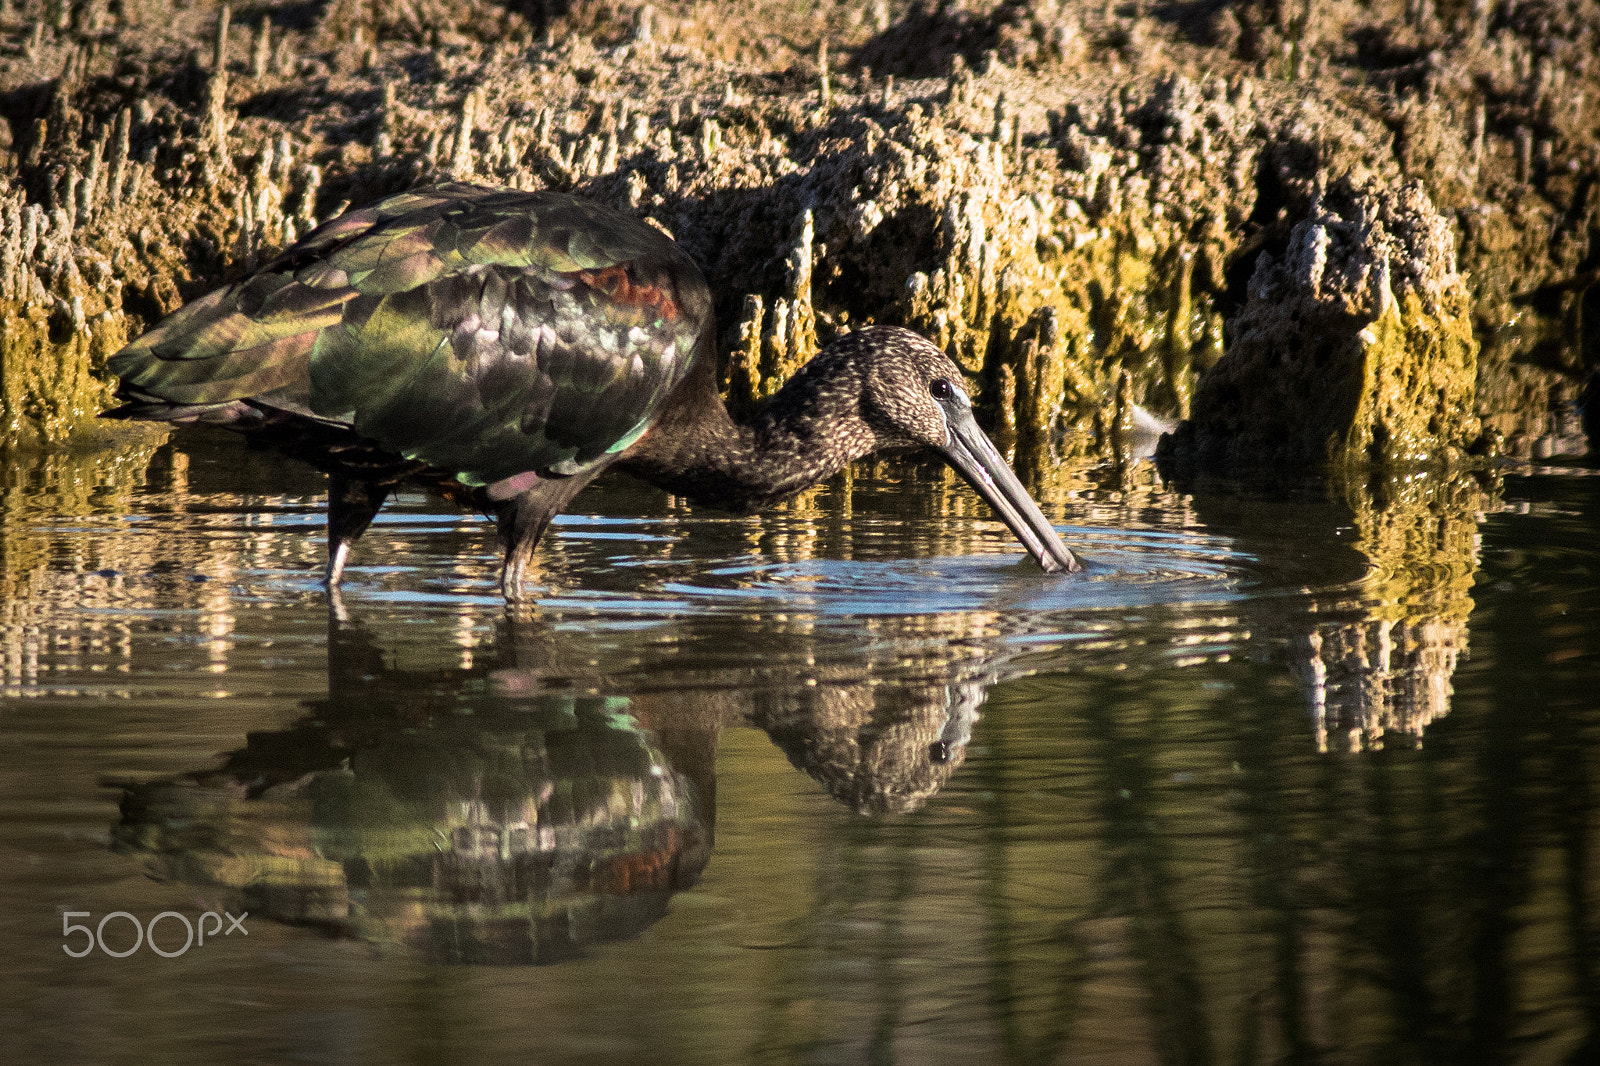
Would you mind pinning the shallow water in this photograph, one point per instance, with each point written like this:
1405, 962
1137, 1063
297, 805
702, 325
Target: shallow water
1297, 779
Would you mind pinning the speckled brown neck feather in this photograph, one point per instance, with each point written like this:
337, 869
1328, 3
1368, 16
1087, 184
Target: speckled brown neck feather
809, 431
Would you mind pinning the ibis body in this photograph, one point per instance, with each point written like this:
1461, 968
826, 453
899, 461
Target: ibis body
502, 348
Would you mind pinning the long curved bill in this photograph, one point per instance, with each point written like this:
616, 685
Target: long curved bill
970, 451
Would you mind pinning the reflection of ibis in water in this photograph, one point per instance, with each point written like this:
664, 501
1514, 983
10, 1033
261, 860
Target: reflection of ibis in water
459, 814
490, 813
520, 840
503, 348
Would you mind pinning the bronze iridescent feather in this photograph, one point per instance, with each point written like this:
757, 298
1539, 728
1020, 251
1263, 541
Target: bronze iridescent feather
483, 331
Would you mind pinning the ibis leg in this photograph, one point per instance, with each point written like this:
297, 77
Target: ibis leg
522, 520
352, 504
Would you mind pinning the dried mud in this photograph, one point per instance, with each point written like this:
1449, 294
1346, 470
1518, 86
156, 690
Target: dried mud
1330, 234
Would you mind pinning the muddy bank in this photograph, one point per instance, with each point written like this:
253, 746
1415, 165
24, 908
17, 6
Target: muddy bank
1088, 205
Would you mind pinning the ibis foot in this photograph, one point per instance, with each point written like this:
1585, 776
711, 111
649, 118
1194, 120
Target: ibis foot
352, 505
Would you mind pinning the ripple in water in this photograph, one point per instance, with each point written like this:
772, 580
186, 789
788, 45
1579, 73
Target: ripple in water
645, 566
1122, 569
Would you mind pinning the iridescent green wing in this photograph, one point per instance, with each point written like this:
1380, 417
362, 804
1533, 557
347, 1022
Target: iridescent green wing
509, 332
253, 340
485, 331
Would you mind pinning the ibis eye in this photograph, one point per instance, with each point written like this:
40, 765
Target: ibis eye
942, 389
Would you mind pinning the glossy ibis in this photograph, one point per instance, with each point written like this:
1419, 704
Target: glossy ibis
502, 348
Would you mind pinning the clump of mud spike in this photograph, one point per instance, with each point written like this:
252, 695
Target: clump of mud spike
1052, 224
1355, 349
216, 135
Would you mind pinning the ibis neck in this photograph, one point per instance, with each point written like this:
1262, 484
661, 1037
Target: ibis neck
807, 432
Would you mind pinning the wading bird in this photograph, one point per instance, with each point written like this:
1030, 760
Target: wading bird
502, 348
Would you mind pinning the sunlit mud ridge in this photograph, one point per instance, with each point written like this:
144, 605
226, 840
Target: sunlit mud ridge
1356, 350
1084, 203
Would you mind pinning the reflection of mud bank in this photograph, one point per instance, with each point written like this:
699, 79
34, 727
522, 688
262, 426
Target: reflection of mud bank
1390, 672
34, 592
1369, 680
1062, 193
1376, 655
1377, 658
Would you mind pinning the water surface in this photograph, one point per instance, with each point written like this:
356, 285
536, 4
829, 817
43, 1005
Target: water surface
1303, 778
